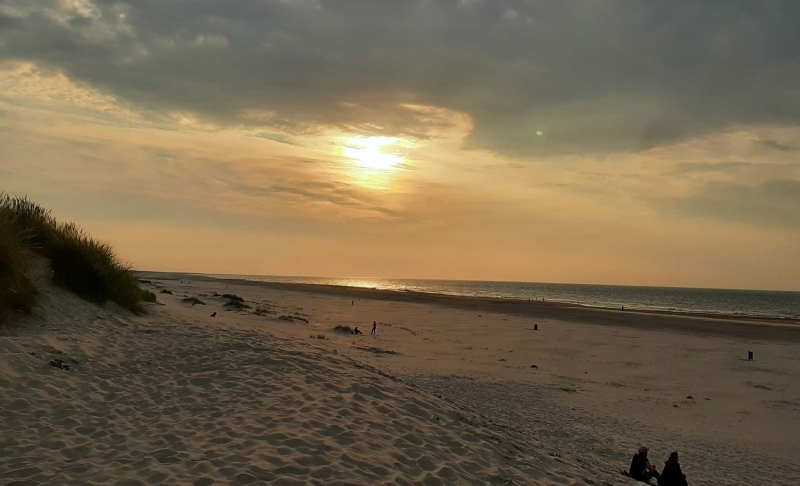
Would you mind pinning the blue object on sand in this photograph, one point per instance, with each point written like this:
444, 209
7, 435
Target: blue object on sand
750, 356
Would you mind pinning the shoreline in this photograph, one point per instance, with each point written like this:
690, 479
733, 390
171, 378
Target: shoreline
743, 327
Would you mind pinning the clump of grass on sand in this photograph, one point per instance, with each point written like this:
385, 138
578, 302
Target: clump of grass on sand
17, 293
79, 263
319, 336
341, 328
165, 291
233, 297
148, 296
236, 304
378, 350
192, 300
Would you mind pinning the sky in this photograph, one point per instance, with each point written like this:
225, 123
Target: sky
605, 141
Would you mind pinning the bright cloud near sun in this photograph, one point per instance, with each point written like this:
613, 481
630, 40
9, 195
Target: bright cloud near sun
372, 152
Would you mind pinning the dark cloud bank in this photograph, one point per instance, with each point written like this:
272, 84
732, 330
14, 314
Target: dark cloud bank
595, 76
774, 203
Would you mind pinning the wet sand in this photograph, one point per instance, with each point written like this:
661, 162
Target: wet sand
733, 326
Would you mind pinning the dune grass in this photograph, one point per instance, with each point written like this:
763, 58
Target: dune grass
148, 296
17, 293
233, 297
192, 300
236, 304
260, 311
341, 328
79, 263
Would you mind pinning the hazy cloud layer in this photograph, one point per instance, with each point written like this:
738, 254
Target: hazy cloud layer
595, 77
773, 203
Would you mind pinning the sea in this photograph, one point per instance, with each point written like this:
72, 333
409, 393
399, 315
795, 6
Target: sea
725, 302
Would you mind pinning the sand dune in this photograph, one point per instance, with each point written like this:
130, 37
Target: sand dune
177, 397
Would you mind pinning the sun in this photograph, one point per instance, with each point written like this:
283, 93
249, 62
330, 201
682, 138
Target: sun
368, 152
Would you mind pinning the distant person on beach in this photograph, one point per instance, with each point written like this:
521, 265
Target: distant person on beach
356, 331
672, 474
641, 469
374, 327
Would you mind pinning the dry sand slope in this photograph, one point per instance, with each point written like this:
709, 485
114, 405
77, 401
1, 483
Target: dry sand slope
175, 398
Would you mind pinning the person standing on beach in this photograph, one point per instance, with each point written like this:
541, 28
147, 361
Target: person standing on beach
374, 328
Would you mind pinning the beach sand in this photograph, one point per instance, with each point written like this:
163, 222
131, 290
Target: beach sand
447, 392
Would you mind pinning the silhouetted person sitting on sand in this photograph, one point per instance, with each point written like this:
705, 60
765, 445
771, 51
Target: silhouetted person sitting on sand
374, 327
672, 474
356, 331
641, 469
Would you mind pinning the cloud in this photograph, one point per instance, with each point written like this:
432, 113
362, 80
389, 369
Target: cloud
706, 167
775, 145
774, 203
595, 77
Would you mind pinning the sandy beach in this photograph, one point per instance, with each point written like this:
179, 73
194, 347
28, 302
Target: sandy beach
567, 231
446, 392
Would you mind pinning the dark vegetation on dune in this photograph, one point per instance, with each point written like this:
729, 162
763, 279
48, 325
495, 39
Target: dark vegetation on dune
148, 296
79, 263
341, 328
236, 304
192, 300
17, 293
260, 311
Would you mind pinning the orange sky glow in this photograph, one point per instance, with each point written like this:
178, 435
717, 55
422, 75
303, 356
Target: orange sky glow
401, 185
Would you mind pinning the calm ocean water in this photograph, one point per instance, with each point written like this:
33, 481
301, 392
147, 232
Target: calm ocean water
755, 303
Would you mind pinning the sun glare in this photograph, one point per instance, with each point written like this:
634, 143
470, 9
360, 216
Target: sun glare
368, 152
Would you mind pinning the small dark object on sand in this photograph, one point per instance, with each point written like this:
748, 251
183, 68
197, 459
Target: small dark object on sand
214, 314
59, 363
690, 397
534, 366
